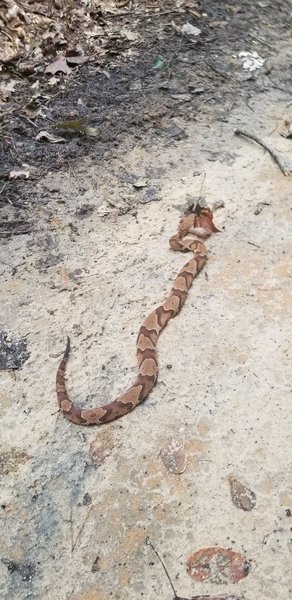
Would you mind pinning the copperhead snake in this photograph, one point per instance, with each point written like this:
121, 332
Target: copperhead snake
196, 220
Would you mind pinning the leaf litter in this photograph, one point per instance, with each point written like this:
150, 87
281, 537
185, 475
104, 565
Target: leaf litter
49, 137
59, 66
77, 126
197, 597
217, 565
174, 457
100, 449
241, 495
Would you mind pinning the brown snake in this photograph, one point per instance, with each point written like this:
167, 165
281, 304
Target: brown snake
196, 220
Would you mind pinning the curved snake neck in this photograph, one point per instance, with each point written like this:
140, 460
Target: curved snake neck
196, 220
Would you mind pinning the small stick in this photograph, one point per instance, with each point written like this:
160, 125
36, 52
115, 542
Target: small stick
277, 87
148, 542
81, 529
202, 185
71, 529
275, 289
285, 168
3, 188
253, 244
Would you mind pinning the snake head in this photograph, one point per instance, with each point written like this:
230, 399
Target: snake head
199, 220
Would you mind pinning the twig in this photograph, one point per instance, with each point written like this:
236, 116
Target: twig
285, 167
71, 529
219, 71
258, 39
277, 87
29, 120
20, 228
275, 289
208, 597
149, 543
253, 244
202, 185
6, 33
2, 190
80, 530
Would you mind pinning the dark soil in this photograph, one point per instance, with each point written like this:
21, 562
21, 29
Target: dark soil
121, 94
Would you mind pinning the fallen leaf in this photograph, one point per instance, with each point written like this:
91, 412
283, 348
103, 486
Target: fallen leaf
241, 495
189, 29
65, 280
18, 174
141, 183
49, 137
7, 88
99, 451
182, 97
174, 458
32, 111
77, 125
60, 65
91, 131
53, 80
251, 61
77, 60
35, 87
217, 565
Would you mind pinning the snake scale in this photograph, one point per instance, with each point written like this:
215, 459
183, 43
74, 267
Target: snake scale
196, 220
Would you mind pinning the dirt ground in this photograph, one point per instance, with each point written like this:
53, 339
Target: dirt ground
84, 252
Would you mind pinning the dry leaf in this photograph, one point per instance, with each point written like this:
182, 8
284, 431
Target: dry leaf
77, 60
53, 80
141, 183
174, 458
7, 88
77, 125
217, 565
99, 451
241, 495
32, 111
65, 280
35, 87
91, 131
189, 29
59, 65
49, 137
18, 174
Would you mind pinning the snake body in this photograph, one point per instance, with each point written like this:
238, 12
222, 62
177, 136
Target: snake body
196, 220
